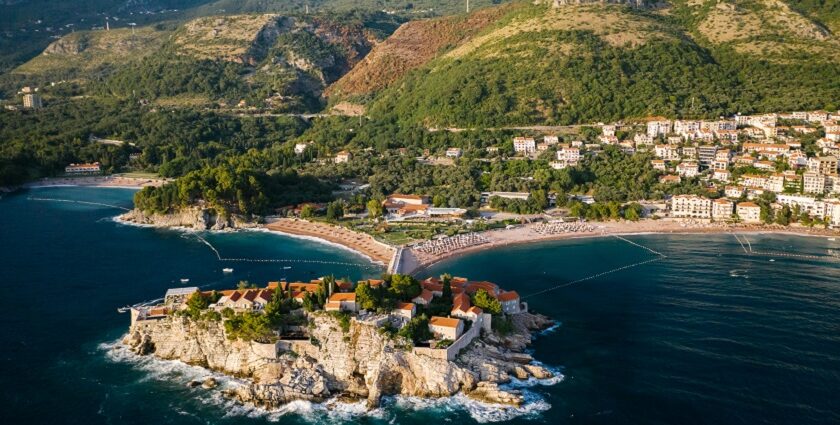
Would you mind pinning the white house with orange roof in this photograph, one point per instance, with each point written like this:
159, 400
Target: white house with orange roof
245, 299
342, 301
463, 308
342, 157
722, 175
446, 327
406, 310
525, 145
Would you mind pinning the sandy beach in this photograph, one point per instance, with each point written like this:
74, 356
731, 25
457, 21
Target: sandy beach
414, 260
356, 241
115, 181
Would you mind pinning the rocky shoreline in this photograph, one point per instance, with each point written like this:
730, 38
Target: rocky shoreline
194, 218
360, 363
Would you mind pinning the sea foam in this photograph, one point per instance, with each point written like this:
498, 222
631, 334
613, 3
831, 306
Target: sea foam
332, 410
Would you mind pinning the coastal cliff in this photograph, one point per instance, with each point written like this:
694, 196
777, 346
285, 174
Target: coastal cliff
195, 218
359, 362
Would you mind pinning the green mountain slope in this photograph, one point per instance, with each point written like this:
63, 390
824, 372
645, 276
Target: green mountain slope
268, 60
558, 65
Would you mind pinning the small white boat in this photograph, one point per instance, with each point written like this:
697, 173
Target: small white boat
286, 267
185, 280
227, 270
772, 260
832, 239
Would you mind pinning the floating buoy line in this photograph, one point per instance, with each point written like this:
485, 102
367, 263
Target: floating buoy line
659, 256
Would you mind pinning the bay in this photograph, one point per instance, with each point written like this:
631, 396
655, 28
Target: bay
706, 335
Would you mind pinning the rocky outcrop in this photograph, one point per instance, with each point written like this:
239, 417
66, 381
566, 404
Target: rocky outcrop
194, 218
360, 362
70, 45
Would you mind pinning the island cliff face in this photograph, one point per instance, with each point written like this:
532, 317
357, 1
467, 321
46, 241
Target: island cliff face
194, 218
361, 362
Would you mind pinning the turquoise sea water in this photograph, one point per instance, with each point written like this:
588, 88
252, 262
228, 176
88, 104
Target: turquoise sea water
708, 335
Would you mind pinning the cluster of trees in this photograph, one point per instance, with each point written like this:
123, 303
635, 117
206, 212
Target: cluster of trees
400, 288
611, 210
231, 190
483, 300
173, 143
537, 202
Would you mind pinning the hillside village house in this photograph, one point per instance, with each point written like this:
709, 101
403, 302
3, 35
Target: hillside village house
688, 169
775, 183
722, 175
551, 140
753, 181
823, 165
570, 155
749, 212
734, 191
690, 206
813, 183
82, 168
658, 128
667, 152
524, 145
658, 164
670, 179
642, 140
706, 154
454, 153
343, 157
446, 327
300, 148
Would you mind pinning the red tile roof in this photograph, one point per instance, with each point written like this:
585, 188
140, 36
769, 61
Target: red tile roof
405, 306
446, 322
508, 296
426, 295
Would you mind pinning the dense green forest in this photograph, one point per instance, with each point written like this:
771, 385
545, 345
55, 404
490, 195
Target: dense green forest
600, 82
232, 188
171, 142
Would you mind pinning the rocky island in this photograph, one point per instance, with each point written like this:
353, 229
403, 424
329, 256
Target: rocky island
326, 338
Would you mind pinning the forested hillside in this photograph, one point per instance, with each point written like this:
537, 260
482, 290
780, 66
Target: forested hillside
597, 63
